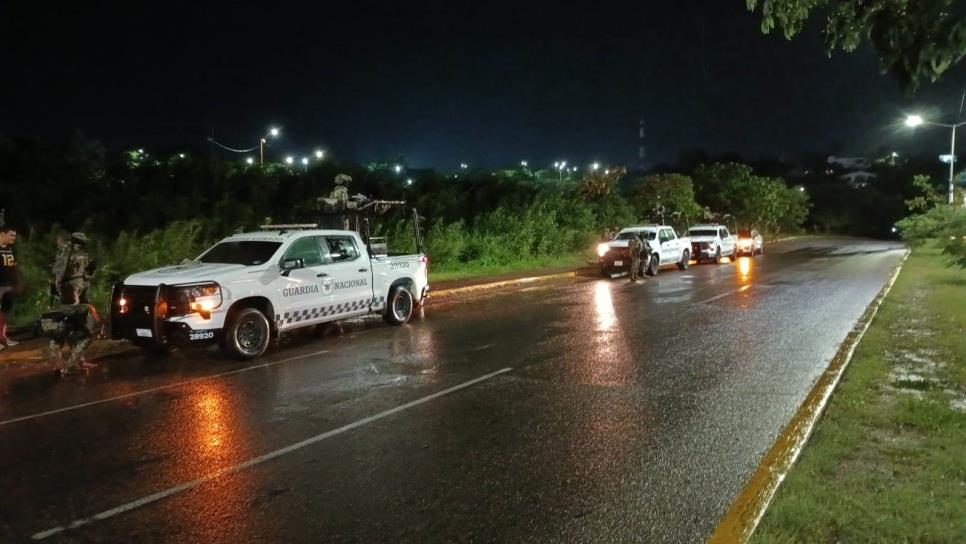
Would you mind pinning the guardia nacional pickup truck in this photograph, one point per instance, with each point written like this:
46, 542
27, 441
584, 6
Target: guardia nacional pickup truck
249, 288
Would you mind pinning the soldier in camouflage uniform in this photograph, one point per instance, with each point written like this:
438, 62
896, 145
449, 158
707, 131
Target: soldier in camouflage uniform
74, 326
634, 248
73, 270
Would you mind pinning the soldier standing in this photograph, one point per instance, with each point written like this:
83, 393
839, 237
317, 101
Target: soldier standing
60, 263
634, 249
73, 271
11, 281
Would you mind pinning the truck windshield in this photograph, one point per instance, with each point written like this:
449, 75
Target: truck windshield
631, 234
702, 232
248, 253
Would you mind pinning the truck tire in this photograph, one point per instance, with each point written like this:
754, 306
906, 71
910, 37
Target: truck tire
399, 307
653, 265
247, 335
685, 258
717, 256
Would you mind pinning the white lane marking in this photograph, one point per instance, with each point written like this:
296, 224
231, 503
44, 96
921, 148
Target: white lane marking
159, 388
261, 459
741, 289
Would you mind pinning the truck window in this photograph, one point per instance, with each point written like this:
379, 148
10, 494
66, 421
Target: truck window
248, 253
724, 233
342, 248
306, 249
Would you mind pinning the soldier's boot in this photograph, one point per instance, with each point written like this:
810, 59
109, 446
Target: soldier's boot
76, 359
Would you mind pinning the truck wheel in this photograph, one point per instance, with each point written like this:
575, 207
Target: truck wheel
717, 256
685, 257
399, 307
247, 335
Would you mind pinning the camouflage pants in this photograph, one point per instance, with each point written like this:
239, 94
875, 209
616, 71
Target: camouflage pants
635, 268
78, 347
74, 292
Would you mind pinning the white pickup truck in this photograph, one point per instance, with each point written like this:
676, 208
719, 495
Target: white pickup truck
666, 248
249, 288
712, 242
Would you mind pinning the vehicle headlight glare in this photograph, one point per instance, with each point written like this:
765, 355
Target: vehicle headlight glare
602, 249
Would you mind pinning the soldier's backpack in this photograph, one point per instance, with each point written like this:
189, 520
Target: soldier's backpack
70, 321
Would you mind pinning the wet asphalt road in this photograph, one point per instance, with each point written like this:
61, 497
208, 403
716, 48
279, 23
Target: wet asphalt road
627, 413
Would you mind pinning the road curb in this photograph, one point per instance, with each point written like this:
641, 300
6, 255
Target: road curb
746, 511
504, 283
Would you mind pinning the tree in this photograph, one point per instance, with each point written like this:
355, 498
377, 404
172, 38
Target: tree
597, 184
674, 192
917, 40
928, 196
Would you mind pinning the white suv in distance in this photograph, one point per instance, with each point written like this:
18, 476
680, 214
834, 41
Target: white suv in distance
666, 248
712, 242
750, 242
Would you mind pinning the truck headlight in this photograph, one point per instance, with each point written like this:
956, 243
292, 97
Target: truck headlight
200, 298
602, 249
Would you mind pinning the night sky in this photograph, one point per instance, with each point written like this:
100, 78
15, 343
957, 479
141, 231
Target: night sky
486, 85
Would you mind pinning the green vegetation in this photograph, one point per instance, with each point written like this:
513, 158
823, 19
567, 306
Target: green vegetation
916, 41
887, 461
144, 210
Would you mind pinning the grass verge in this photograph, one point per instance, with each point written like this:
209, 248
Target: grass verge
887, 461
471, 270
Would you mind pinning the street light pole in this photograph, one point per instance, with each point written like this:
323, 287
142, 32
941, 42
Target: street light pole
952, 163
916, 120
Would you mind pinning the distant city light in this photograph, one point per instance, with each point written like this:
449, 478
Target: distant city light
397, 168
914, 121
894, 230
464, 166
305, 160
289, 160
250, 160
141, 151
606, 171
409, 181
319, 154
595, 166
801, 189
181, 155
894, 155
523, 164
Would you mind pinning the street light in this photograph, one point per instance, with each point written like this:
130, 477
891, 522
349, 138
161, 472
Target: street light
595, 167
397, 168
523, 164
249, 160
560, 167
273, 132
409, 181
289, 160
305, 164
916, 120
319, 154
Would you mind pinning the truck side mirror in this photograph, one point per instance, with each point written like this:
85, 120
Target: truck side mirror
288, 265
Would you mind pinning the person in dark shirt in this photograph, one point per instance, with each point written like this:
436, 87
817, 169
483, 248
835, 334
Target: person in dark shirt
11, 282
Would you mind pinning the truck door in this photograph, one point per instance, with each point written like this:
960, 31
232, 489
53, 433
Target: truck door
349, 280
671, 246
301, 290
